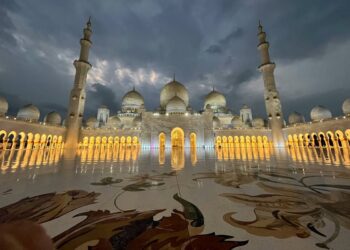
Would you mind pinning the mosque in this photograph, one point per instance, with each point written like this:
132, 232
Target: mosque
174, 123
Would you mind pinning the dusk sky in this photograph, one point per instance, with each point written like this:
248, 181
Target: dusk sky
206, 43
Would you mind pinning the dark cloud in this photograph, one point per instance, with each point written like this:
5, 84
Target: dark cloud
99, 95
240, 77
48, 107
225, 42
214, 49
305, 29
230, 37
6, 24
204, 42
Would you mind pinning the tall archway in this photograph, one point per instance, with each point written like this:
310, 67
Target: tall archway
162, 140
11, 140
193, 140
218, 141
177, 137
2, 139
135, 141
347, 135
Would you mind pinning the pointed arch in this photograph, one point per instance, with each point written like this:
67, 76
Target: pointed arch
161, 140
177, 137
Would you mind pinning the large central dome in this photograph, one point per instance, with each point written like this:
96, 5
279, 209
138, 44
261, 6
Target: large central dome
172, 89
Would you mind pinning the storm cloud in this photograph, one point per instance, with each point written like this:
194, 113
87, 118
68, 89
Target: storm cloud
205, 43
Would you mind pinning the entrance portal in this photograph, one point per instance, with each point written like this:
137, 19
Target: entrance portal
177, 137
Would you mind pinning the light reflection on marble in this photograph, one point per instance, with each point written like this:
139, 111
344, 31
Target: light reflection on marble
297, 196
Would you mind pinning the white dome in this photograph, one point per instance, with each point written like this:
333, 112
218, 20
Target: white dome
320, 113
172, 89
113, 122
236, 122
258, 123
216, 122
295, 117
3, 106
137, 122
214, 100
29, 112
91, 122
53, 118
133, 99
346, 107
176, 105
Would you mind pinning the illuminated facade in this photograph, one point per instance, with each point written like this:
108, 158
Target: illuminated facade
174, 123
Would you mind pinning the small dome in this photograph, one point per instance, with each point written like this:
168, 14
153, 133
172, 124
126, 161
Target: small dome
176, 105
214, 100
53, 118
3, 106
319, 113
258, 123
29, 113
113, 122
236, 122
137, 122
91, 122
172, 89
346, 107
216, 122
295, 117
133, 99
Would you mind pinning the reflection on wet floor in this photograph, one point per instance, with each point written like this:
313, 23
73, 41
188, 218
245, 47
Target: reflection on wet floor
13, 159
322, 155
256, 193
109, 153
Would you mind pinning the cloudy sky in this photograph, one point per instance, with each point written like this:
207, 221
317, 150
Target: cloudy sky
206, 43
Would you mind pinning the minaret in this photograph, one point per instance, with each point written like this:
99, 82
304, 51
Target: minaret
77, 94
272, 99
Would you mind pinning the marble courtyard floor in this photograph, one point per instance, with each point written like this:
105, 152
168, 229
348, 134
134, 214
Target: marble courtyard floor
133, 198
